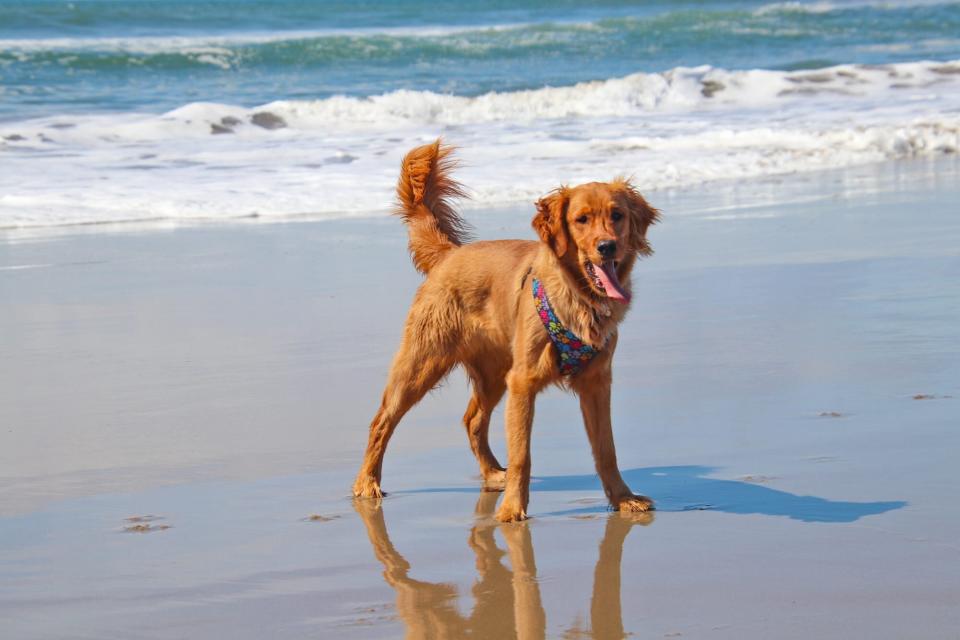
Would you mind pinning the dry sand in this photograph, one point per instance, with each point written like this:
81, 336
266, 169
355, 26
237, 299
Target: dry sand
182, 411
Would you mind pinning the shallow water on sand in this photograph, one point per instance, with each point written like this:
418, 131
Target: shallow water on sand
182, 413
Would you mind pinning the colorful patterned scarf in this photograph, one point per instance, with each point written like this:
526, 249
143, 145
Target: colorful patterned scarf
574, 353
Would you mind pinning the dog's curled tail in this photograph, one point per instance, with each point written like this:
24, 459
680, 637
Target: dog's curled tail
424, 192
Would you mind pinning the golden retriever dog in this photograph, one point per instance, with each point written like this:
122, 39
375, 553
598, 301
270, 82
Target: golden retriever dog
518, 315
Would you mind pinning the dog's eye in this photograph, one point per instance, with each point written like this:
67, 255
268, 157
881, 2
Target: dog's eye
582, 220
616, 216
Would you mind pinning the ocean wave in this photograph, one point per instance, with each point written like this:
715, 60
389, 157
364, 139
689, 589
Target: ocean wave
675, 30
682, 90
173, 43
795, 7
318, 48
111, 72
847, 5
338, 156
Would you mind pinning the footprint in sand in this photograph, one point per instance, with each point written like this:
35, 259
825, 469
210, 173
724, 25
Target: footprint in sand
144, 524
756, 479
316, 517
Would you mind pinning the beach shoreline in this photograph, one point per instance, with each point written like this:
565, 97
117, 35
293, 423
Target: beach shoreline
786, 387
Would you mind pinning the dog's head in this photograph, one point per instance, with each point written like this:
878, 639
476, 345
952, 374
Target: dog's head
597, 230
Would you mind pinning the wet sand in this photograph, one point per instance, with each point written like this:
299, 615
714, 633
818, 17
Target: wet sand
182, 412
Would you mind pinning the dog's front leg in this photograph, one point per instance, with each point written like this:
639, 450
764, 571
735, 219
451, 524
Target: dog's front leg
594, 392
521, 395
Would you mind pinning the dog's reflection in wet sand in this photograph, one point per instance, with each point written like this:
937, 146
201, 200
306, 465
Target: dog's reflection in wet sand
507, 600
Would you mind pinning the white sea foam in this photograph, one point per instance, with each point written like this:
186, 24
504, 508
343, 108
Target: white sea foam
339, 156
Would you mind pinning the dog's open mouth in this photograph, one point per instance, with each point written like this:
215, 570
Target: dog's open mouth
604, 278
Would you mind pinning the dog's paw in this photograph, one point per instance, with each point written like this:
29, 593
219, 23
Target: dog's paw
634, 504
643, 518
367, 487
494, 480
511, 512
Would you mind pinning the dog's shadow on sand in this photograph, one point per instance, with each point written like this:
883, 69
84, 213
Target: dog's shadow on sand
687, 488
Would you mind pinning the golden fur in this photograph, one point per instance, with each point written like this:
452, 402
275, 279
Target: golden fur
476, 309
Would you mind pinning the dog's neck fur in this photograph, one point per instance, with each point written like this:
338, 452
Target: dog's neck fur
593, 318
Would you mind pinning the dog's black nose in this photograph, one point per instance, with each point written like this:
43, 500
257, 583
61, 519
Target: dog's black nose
607, 248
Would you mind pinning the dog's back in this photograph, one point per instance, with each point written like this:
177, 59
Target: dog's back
470, 287
478, 284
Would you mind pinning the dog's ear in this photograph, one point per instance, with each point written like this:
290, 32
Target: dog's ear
642, 215
550, 223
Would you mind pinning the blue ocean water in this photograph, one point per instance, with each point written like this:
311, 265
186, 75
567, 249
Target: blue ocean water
58, 56
129, 93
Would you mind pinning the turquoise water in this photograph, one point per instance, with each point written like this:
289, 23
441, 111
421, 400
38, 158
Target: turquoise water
67, 57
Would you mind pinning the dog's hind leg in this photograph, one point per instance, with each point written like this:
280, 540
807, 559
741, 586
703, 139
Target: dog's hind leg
416, 370
488, 389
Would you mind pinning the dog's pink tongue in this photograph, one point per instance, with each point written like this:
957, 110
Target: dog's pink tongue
607, 273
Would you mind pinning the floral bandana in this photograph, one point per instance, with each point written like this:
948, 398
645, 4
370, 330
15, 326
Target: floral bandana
574, 352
